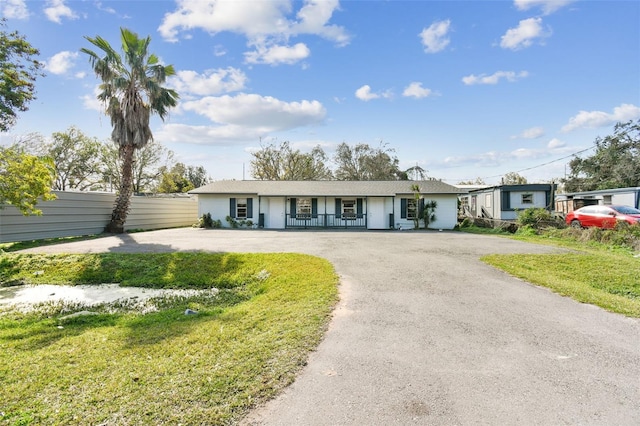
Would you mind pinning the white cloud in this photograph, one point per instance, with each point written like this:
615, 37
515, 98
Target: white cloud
434, 38
255, 19
211, 82
415, 90
14, 9
364, 93
556, 144
103, 8
313, 18
225, 135
91, 102
61, 62
274, 55
57, 10
265, 113
494, 158
532, 133
219, 50
547, 6
524, 34
494, 78
594, 119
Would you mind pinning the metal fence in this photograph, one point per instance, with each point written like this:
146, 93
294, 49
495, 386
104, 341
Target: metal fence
87, 213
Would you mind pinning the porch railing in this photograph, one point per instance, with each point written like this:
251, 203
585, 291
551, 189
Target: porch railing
326, 221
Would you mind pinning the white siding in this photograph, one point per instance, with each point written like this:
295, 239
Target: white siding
446, 212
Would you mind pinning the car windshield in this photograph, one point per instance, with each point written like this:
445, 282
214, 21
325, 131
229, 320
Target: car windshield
626, 210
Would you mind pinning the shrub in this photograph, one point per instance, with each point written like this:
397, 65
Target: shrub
539, 218
467, 222
207, 222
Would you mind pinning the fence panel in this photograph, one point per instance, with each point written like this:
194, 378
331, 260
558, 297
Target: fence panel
87, 213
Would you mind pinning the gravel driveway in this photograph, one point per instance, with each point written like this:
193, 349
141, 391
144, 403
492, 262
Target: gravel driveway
427, 334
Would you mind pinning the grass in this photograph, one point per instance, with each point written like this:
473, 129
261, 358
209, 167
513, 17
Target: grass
605, 274
23, 245
121, 366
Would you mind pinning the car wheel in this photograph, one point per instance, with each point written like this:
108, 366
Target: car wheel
575, 224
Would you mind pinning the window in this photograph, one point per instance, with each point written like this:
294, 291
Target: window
241, 208
412, 208
527, 198
303, 207
487, 201
349, 209
606, 200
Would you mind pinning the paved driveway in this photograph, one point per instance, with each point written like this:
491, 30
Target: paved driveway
427, 334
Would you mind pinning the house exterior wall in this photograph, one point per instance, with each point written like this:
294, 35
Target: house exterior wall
446, 212
566, 203
75, 214
277, 210
219, 207
504, 202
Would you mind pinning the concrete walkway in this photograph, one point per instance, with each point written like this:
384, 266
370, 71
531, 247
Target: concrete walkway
425, 333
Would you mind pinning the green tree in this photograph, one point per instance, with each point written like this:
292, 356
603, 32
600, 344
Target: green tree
25, 179
175, 180
76, 158
18, 73
198, 176
478, 181
513, 178
615, 163
148, 165
181, 178
132, 91
416, 173
417, 198
362, 162
429, 212
282, 162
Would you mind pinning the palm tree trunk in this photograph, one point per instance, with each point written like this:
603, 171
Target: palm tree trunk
121, 207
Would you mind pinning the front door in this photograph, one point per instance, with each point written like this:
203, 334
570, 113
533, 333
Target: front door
375, 214
276, 213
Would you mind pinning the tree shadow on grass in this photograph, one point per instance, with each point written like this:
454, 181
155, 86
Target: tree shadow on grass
174, 269
34, 334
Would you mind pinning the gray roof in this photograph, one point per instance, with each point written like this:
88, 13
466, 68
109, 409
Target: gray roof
332, 188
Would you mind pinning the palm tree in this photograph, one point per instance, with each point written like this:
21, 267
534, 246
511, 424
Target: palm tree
131, 90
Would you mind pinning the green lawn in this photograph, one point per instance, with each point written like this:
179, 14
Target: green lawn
605, 276
121, 366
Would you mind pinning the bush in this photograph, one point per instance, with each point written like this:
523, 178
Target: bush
207, 222
539, 218
467, 222
627, 237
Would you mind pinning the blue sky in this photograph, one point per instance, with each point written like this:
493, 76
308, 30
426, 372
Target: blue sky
464, 89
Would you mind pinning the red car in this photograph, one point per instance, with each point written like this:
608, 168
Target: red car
602, 216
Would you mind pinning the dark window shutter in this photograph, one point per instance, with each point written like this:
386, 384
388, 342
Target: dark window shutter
232, 207
293, 207
420, 207
338, 207
249, 207
506, 200
314, 208
403, 208
359, 207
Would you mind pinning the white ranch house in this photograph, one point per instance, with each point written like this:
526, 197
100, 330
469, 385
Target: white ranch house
327, 204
